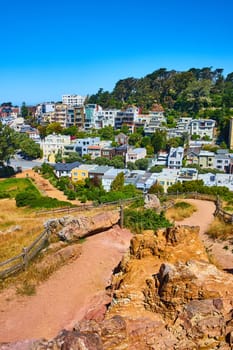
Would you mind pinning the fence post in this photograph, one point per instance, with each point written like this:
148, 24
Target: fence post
25, 257
121, 216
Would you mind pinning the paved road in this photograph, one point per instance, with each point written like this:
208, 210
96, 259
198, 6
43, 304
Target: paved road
24, 164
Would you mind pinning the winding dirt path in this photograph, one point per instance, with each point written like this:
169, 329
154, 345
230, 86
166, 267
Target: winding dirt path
203, 217
69, 293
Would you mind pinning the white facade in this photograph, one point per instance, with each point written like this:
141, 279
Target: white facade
52, 144
202, 127
175, 157
80, 146
167, 178
134, 154
105, 118
73, 100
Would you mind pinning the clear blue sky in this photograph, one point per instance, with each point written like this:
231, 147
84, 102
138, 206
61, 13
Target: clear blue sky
50, 48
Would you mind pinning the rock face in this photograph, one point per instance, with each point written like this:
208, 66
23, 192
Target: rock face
165, 295
72, 228
151, 201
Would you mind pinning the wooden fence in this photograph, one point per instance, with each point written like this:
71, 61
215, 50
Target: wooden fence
21, 261
84, 207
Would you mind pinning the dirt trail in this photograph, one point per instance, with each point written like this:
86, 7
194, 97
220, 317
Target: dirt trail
64, 299
46, 188
203, 217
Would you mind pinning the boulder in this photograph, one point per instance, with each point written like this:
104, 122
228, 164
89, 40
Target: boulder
151, 201
83, 226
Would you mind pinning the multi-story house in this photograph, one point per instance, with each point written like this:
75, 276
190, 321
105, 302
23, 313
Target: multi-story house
73, 100
60, 114
42, 109
175, 157
81, 172
222, 160
206, 159
127, 118
134, 154
99, 171
191, 155
80, 146
54, 144
75, 116
108, 152
161, 158
91, 114
94, 151
145, 181
121, 139
105, 118
156, 121
167, 178
202, 127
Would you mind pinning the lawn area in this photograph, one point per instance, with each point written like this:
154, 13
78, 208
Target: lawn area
11, 187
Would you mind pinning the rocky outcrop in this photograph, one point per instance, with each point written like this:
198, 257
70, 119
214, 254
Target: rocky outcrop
72, 228
151, 201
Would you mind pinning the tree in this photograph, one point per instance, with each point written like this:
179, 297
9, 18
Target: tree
158, 140
156, 188
131, 166
24, 110
8, 143
54, 128
142, 164
30, 148
118, 182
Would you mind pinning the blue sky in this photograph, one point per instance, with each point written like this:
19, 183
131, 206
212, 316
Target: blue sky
50, 48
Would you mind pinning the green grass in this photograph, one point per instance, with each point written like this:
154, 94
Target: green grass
11, 187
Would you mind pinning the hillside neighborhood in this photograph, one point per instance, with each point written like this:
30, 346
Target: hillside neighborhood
191, 152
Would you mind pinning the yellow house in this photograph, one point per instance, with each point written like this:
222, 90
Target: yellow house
82, 172
78, 174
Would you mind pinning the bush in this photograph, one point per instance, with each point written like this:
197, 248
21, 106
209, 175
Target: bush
148, 219
24, 199
33, 200
71, 195
182, 205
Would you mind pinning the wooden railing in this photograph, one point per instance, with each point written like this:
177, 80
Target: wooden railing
21, 261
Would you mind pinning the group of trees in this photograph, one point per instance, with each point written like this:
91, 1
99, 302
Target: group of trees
186, 91
10, 141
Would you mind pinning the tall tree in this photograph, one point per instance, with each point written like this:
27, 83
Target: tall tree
7, 143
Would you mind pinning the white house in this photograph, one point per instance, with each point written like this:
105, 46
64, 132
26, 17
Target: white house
134, 154
202, 127
52, 144
175, 157
80, 146
73, 100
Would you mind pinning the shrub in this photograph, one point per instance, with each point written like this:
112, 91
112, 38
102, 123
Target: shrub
24, 199
147, 219
71, 195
